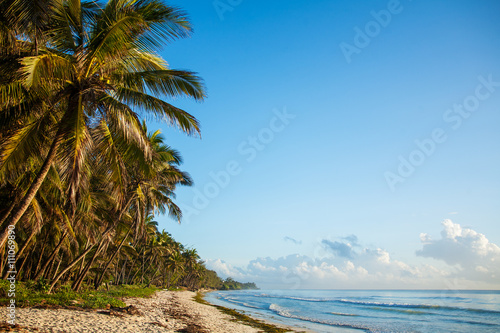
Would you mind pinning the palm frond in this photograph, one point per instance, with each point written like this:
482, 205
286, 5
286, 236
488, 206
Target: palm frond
165, 82
46, 72
115, 171
28, 140
11, 94
75, 151
125, 122
162, 110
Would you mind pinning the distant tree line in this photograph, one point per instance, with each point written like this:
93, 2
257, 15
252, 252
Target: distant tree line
230, 284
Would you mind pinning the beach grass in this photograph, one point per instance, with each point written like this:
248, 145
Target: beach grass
240, 317
31, 293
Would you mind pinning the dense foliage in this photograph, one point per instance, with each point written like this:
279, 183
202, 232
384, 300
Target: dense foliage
81, 178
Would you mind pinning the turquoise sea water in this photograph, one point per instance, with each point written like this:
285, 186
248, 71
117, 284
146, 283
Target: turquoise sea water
370, 310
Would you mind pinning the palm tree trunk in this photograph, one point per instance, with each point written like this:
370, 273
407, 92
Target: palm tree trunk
79, 280
35, 185
83, 260
48, 270
25, 246
99, 280
153, 277
132, 264
20, 270
103, 235
164, 278
142, 275
57, 268
134, 276
150, 263
116, 270
7, 213
41, 256
51, 257
73, 263
119, 271
27, 272
123, 271
2, 260
169, 278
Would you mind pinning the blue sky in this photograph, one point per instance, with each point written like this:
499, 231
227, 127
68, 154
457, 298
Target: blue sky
341, 134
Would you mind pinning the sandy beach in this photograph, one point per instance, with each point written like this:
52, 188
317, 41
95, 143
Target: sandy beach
166, 311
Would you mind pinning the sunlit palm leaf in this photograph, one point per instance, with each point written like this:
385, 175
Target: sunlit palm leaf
161, 109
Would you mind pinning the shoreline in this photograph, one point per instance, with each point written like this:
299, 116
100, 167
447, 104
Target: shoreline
165, 311
263, 325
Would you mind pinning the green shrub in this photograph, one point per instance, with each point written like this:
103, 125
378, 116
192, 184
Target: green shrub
42, 285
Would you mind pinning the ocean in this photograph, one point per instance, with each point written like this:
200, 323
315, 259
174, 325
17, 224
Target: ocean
370, 310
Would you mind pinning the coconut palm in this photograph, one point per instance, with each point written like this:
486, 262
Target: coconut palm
192, 267
174, 268
150, 189
92, 65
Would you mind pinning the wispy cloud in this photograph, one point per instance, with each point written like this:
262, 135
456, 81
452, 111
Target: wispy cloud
293, 240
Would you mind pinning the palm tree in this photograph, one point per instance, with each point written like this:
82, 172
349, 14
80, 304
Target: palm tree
192, 267
174, 267
151, 188
91, 66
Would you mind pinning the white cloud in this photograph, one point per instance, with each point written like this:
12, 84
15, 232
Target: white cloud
258, 266
471, 252
347, 264
370, 269
425, 238
224, 269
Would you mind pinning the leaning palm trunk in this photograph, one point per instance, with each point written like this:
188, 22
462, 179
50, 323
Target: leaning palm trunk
35, 185
7, 213
20, 253
20, 272
71, 265
131, 276
51, 257
79, 280
124, 269
137, 271
40, 258
124, 209
26, 243
57, 268
101, 277
153, 276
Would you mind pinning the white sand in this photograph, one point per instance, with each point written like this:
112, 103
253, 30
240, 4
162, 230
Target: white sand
166, 311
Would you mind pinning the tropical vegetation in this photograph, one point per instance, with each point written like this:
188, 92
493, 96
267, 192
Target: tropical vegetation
231, 284
31, 293
81, 177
